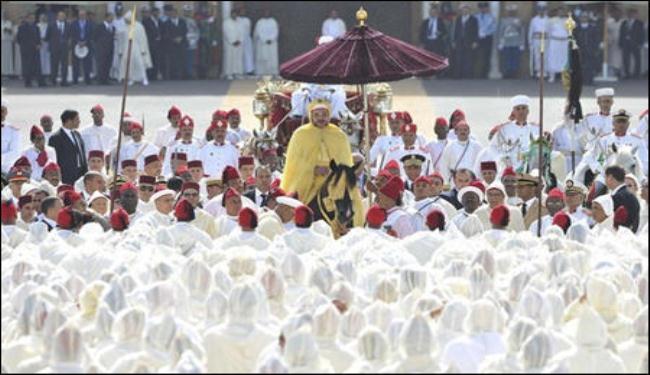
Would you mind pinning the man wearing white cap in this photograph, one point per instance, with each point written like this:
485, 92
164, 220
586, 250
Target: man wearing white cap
496, 196
513, 138
11, 144
164, 205
602, 211
598, 124
471, 198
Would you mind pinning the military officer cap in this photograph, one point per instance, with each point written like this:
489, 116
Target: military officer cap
572, 187
621, 114
412, 159
527, 179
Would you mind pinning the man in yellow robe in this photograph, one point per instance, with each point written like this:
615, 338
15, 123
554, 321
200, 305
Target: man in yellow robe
310, 151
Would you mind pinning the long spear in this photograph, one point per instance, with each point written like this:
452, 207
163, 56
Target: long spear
124, 93
541, 135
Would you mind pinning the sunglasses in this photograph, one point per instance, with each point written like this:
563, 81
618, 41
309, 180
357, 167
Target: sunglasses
190, 194
146, 188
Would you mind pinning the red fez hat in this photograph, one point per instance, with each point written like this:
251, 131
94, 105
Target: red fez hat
186, 122
65, 218
184, 210
478, 184
229, 173
276, 183
51, 167
119, 220
70, 197
220, 114
500, 215
190, 185
436, 220
96, 154
620, 216
22, 162
395, 116
146, 180
424, 179
488, 166
409, 128
230, 193
385, 174
23, 200
36, 131
303, 216
441, 121
17, 174
129, 163
457, 114
392, 164
233, 111
555, 193
437, 174
407, 117
9, 211
393, 188
218, 124
246, 160
97, 107
247, 218
63, 188
195, 164
151, 159
133, 124
173, 111
127, 186
510, 171
46, 117
375, 216
562, 220
178, 156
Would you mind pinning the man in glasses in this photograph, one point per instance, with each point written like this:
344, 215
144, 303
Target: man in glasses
202, 220
146, 187
39, 154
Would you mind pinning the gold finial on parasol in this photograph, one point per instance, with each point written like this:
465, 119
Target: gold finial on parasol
362, 16
570, 24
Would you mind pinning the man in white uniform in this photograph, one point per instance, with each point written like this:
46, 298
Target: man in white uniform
167, 134
137, 149
245, 24
11, 143
99, 135
513, 138
437, 147
218, 154
409, 146
538, 28
265, 38
187, 144
39, 154
598, 124
383, 143
558, 45
236, 134
233, 47
333, 26
460, 153
398, 221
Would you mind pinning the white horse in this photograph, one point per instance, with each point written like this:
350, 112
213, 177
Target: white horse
351, 126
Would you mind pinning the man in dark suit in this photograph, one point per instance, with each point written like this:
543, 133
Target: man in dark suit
615, 181
81, 32
174, 34
588, 37
260, 192
29, 39
631, 39
69, 148
433, 32
462, 177
58, 35
104, 37
465, 43
152, 25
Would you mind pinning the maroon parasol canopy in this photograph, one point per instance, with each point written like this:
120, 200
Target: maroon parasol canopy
362, 55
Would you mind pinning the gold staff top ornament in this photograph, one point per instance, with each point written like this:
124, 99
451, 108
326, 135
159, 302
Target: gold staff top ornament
362, 16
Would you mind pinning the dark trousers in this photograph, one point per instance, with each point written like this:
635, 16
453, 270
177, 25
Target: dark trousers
86, 63
510, 58
436, 46
635, 52
156, 59
31, 66
484, 52
104, 60
59, 62
464, 57
177, 56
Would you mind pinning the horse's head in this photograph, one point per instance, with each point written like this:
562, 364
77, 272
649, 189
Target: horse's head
336, 193
263, 141
625, 156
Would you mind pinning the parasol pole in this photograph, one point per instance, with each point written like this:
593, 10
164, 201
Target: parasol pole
124, 93
541, 135
362, 16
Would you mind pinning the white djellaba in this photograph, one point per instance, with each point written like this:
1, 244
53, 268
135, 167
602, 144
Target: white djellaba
635, 350
417, 345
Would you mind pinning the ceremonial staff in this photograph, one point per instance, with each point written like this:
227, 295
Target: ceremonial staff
124, 92
541, 137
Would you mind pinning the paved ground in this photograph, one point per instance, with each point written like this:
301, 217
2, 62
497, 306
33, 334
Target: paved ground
485, 102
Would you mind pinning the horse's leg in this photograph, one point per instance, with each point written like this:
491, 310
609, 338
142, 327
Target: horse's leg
314, 207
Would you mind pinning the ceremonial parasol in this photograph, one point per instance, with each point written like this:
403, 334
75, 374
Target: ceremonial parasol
363, 55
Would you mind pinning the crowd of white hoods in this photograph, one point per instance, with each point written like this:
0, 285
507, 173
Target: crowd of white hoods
140, 301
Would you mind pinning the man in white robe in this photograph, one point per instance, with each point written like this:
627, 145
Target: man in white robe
558, 52
233, 46
246, 27
138, 149
161, 216
140, 56
99, 135
265, 37
333, 26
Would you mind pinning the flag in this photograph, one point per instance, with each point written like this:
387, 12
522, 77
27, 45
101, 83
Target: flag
572, 80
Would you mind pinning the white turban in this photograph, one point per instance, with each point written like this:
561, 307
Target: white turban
520, 100
468, 189
162, 193
497, 185
604, 91
606, 202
